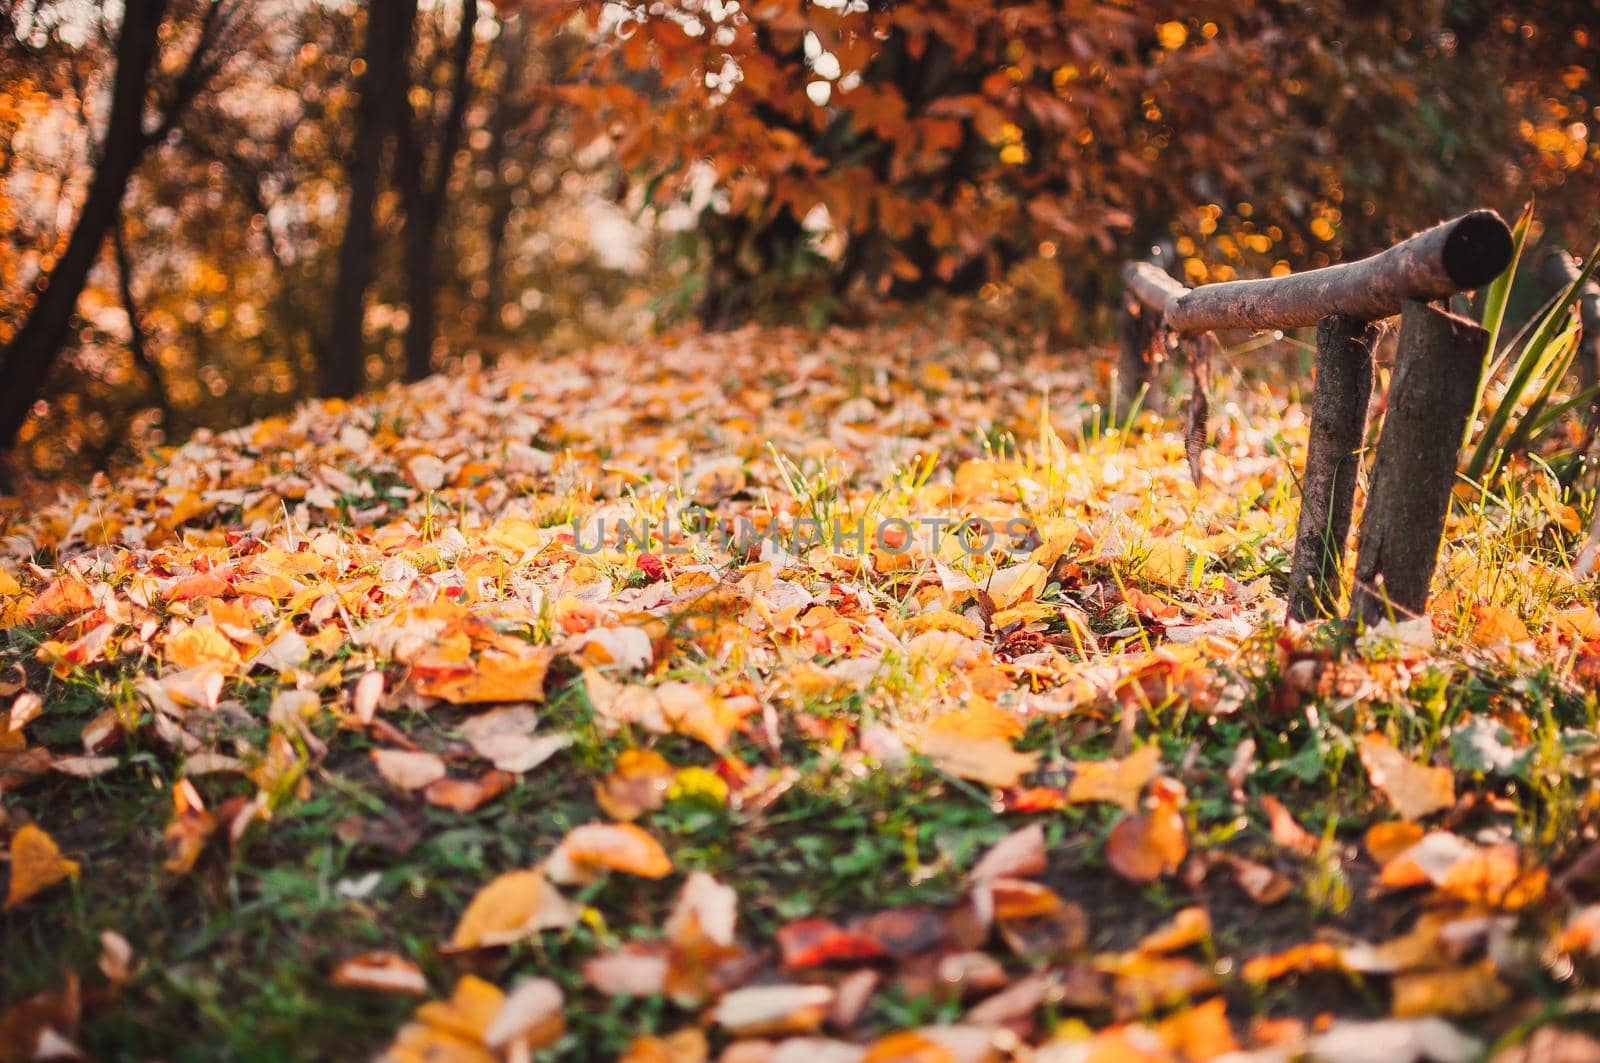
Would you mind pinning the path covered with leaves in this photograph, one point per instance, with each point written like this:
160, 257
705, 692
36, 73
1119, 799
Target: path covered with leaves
951, 722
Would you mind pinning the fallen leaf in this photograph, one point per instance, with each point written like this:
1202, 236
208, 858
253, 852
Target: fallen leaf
530, 1015
1019, 854
36, 864
1146, 845
468, 795
514, 906
638, 784
1452, 991
1286, 831
384, 972
596, 847
1415, 790
773, 1009
1259, 882
1119, 782
990, 761
1187, 928
407, 769
494, 677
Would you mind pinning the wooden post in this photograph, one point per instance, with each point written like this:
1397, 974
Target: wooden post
1328, 488
1437, 367
1134, 371
1147, 289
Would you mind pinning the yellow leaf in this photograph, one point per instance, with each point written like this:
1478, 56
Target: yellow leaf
990, 761
36, 864
515, 905
1167, 563
197, 645
1415, 790
1118, 782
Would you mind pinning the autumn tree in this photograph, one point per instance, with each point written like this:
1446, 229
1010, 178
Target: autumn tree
897, 149
134, 127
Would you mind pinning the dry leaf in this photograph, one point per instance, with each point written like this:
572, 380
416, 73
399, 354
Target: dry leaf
407, 769
1286, 831
596, 847
1119, 782
771, 1009
1146, 845
1019, 853
531, 1015
638, 784
467, 795
36, 864
494, 677
1415, 790
990, 761
515, 905
1453, 991
384, 972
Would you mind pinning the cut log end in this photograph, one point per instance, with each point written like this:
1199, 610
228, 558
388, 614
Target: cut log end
1478, 249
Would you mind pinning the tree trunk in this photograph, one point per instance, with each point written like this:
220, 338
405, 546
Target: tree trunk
382, 97
1437, 366
1333, 460
425, 203
26, 360
508, 112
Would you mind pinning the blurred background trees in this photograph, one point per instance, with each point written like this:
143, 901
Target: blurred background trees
211, 209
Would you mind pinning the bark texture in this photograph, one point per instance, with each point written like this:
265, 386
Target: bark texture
1151, 285
1455, 256
381, 103
424, 196
1437, 366
1333, 460
1135, 373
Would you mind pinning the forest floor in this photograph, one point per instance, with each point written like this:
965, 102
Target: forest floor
343, 731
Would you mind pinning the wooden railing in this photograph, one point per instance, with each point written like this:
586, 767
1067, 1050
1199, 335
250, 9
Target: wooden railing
1439, 360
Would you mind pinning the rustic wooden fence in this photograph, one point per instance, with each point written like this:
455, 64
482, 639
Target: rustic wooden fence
1438, 362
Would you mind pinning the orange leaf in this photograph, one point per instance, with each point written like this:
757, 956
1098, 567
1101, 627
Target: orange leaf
36, 864
596, 847
515, 905
1146, 845
495, 677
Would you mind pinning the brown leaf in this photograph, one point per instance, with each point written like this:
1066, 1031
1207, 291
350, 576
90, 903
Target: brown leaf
1019, 854
384, 972
1285, 831
1259, 882
1453, 991
467, 795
